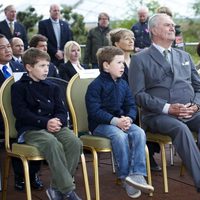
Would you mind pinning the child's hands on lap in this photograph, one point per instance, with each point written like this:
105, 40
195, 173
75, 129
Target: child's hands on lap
54, 125
124, 123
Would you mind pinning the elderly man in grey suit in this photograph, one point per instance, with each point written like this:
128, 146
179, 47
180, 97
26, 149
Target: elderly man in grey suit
167, 87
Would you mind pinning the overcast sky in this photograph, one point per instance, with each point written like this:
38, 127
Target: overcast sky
117, 9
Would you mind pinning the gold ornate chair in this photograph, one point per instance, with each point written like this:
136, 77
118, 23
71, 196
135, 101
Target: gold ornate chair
76, 91
21, 151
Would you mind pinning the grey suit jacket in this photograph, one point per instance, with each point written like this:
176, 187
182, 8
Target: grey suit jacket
154, 83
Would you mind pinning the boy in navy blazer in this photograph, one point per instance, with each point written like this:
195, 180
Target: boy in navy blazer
43, 123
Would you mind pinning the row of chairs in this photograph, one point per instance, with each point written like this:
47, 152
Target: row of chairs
76, 90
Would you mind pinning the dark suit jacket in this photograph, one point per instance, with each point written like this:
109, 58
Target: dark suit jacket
53, 71
16, 67
19, 31
154, 83
46, 28
66, 70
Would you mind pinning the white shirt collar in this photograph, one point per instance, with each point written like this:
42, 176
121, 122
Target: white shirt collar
8, 22
161, 49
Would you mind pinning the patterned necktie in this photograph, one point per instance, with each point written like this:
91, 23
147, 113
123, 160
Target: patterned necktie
166, 55
5, 71
11, 28
168, 58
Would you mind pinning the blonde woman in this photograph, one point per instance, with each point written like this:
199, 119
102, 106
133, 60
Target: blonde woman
124, 39
72, 56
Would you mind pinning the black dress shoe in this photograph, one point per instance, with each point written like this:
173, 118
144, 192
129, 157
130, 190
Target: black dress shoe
36, 183
154, 166
19, 183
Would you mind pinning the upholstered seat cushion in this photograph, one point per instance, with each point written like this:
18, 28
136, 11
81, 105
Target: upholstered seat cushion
158, 137
96, 142
26, 150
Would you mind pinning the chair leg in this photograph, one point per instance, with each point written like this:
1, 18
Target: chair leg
113, 162
85, 175
164, 167
5, 176
27, 178
96, 173
149, 180
182, 170
171, 154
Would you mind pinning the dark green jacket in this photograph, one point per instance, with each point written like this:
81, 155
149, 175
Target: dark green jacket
95, 40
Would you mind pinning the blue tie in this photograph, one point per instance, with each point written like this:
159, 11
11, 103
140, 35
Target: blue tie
6, 73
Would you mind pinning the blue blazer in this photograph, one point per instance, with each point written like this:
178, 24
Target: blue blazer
19, 31
45, 28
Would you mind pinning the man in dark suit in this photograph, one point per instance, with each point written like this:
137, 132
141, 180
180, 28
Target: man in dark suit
7, 68
40, 42
11, 28
58, 33
166, 86
17, 46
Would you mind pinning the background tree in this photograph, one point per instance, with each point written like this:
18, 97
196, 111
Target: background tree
29, 18
76, 21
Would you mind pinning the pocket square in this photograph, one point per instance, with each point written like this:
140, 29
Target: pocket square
185, 63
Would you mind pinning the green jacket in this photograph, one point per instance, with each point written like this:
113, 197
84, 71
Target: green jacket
95, 40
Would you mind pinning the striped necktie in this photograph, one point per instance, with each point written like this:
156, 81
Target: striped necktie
11, 27
5, 71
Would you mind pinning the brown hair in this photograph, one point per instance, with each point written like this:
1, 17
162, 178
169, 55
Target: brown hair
36, 39
33, 55
107, 54
116, 34
164, 9
103, 14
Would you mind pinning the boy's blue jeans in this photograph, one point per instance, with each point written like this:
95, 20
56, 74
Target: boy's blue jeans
128, 148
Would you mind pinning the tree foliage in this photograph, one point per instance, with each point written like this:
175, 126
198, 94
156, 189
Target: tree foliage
196, 7
29, 18
77, 23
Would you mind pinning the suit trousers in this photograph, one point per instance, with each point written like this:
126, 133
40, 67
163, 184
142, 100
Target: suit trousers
62, 151
182, 139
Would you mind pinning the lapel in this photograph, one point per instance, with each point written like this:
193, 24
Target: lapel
16, 67
159, 59
7, 29
61, 31
51, 30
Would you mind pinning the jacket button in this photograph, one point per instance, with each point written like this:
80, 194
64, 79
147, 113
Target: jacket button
38, 100
49, 101
30, 82
39, 110
38, 121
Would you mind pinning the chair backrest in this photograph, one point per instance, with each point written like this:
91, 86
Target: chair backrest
62, 84
76, 91
6, 110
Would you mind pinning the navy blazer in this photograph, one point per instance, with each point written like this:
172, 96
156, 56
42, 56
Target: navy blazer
19, 31
37, 107
66, 70
45, 28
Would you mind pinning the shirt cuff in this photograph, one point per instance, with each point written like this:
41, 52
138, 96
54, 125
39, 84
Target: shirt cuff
166, 108
113, 121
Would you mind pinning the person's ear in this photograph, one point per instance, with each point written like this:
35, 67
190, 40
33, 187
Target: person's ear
28, 67
116, 44
106, 66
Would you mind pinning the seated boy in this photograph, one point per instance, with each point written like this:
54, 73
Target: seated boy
41, 122
111, 113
